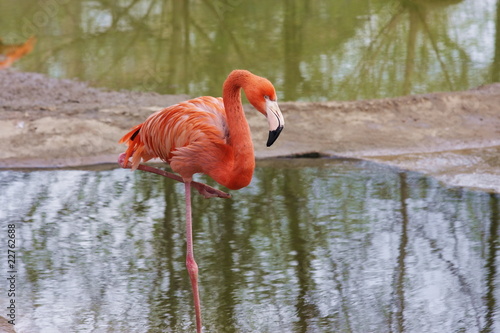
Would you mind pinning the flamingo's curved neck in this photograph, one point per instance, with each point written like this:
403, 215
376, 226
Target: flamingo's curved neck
239, 130
241, 171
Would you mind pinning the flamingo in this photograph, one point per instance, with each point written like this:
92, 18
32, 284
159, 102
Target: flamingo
205, 135
11, 53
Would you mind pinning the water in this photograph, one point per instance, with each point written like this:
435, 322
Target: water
310, 50
309, 246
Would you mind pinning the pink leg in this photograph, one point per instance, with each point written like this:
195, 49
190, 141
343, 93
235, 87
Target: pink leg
191, 265
204, 189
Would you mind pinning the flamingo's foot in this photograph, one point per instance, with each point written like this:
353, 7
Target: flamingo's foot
209, 192
121, 160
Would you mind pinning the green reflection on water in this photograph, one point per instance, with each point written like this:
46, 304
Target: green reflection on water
309, 246
318, 50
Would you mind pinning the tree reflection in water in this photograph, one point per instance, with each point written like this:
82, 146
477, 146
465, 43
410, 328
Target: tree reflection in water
320, 50
310, 246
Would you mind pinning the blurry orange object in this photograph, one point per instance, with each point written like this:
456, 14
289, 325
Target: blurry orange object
10, 53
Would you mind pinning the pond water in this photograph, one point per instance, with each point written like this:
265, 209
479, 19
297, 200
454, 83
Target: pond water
310, 50
310, 246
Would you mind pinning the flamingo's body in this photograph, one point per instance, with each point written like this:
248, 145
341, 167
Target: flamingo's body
205, 135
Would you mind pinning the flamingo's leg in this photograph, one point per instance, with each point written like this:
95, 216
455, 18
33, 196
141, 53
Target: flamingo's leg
191, 265
204, 189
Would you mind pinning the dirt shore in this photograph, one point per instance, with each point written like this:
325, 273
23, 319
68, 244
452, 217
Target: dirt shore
47, 122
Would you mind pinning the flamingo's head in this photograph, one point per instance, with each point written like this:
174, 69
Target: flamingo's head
262, 96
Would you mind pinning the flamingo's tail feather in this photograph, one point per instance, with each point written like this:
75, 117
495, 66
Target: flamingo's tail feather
136, 148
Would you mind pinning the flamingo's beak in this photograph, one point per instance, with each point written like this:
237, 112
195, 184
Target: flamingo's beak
275, 120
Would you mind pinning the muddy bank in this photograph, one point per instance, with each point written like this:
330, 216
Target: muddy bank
48, 122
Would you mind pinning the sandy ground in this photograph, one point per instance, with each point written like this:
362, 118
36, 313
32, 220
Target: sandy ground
455, 137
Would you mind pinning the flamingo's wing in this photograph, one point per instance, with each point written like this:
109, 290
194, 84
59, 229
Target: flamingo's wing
181, 129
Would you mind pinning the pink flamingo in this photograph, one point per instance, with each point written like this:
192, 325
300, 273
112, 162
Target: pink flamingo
205, 135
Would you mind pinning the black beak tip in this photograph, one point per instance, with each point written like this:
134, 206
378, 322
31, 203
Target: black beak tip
273, 135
